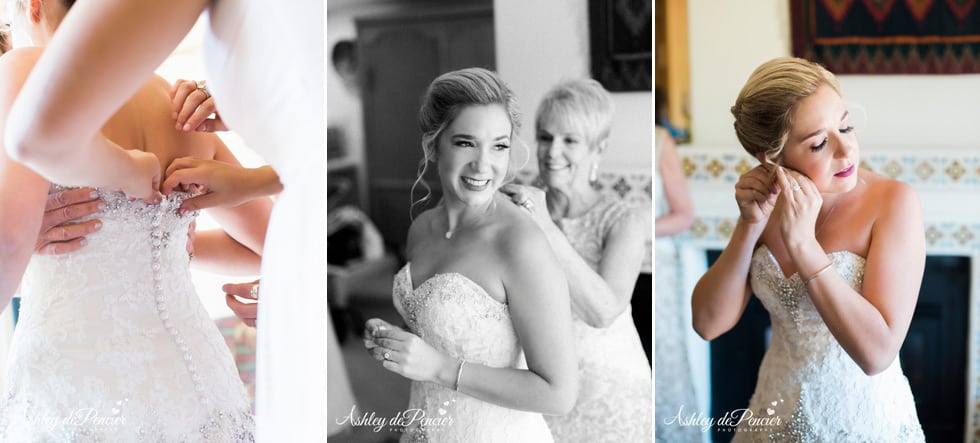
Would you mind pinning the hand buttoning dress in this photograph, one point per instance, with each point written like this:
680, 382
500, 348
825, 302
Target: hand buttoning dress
114, 345
809, 382
614, 398
458, 318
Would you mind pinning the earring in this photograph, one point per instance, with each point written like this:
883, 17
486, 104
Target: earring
594, 173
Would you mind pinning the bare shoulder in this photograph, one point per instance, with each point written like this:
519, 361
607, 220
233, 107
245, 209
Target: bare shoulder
888, 195
517, 237
16, 64
420, 228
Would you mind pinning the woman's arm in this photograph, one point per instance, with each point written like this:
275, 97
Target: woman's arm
102, 53
22, 191
538, 302
537, 296
722, 293
216, 251
600, 296
871, 325
681, 215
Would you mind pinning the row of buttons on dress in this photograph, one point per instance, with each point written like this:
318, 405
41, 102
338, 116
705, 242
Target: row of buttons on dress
159, 241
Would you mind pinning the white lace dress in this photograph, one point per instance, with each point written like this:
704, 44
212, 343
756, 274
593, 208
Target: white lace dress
809, 389
114, 345
615, 383
457, 317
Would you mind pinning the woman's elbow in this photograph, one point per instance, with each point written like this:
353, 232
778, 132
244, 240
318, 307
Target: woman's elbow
20, 145
562, 400
876, 364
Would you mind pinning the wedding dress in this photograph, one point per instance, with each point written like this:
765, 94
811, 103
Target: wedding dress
264, 61
615, 385
674, 382
809, 388
457, 317
113, 343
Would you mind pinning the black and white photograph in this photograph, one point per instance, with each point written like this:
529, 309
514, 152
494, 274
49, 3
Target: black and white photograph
489, 221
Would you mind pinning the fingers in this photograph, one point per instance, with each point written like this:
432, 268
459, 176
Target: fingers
64, 214
200, 202
70, 197
69, 232
198, 106
183, 179
243, 290
178, 95
248, 312
59, 248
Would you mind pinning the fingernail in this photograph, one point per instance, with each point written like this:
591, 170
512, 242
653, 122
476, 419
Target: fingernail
98, 225
93, 194
187, 126
83, 242
102, 206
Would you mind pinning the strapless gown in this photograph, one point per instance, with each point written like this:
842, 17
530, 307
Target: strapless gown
809, 388
113, 343
457, 317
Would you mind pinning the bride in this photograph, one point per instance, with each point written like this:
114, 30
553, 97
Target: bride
486, 304
836, 255
112, 343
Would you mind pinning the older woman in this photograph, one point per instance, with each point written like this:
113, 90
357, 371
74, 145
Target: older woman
600, 244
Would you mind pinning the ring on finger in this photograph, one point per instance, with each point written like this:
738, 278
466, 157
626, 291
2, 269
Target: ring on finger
254, 292
201, 86
527, 204
387, 355
795, 187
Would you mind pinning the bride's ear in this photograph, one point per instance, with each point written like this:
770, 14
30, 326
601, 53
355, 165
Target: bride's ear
34, 10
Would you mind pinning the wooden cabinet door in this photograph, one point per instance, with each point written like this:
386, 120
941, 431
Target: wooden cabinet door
400, 57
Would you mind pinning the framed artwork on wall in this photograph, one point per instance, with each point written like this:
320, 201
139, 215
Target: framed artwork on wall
888, 37
621, 37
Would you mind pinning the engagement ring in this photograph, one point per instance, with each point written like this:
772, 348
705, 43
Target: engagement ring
527, 204
387, 355
796, 187
254, 292
203, 88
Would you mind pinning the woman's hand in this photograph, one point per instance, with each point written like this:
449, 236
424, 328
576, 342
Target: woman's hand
756, 194
797, 207
223, 184
60, 234
145, 184
248, 312
533, 201
192, 106
406, 354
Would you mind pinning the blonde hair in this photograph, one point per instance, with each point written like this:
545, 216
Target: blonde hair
583, 105
764, 108
445, 98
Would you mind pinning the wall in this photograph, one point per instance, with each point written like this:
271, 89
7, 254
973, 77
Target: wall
729, 39
560, 34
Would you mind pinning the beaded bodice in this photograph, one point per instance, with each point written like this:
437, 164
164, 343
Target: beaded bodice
809, 382
457, 317
116, 329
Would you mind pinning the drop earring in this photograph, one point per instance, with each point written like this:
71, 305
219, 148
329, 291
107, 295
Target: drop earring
594, 173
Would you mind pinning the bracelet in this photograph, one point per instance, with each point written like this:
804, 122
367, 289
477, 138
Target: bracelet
459, 372
817, 274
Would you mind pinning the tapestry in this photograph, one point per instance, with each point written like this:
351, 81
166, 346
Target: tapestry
888, 36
